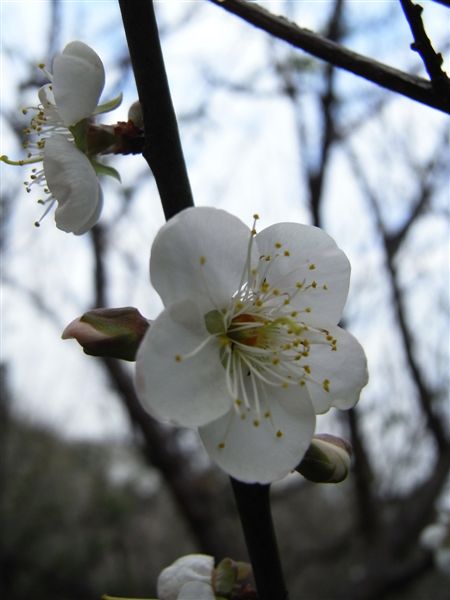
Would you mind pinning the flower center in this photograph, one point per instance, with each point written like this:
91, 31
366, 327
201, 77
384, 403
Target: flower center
263, 341
244, 331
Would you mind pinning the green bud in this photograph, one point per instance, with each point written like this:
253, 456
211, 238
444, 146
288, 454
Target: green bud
229, 579
113, 332
327, 459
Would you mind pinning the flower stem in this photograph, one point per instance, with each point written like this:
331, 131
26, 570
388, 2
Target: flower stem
162, 149
253, 503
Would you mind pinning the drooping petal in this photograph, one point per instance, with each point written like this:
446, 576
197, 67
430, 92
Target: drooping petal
268, 451
182, 391
73, 182
307, 256
78, 80
190, 568
199, 254
337, 376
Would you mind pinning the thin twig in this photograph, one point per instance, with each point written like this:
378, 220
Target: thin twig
422, 45
387, 77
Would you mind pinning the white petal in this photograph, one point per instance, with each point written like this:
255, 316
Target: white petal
191, 392
345, 368
255, 454
312, 257
73, 182
196, 590
78, 80
190, 568
195, 236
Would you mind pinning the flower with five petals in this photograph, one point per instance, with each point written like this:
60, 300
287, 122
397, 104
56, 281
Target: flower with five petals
58, 138
248, 349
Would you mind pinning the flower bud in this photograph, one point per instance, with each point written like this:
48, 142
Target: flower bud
135, 114
113, 332
188, 575
230, 579
327, 459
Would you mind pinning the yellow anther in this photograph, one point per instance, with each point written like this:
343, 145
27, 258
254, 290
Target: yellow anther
326, 385
279, 434
178, 358
307, 369
299, 285
256, 423
285, 385
302, 382
253, 231
312, 266
202, 260
286, 253
278, 245
294, 313
314, 284
308, 309
221, 446
238, 402
267, 414
324, 287
256, 216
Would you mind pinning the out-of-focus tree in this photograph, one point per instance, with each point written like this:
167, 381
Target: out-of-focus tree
368, 166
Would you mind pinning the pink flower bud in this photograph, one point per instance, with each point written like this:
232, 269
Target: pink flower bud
113, 332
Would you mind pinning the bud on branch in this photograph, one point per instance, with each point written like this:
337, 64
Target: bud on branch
113, 332
327, 460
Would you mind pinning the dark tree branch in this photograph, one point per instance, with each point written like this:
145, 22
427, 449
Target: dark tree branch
162, 149
368, 510
392, 79
422, 44
253, 502
164, 154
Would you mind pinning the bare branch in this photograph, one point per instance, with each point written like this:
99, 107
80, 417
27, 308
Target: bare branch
422, 44
392, 79
426, 394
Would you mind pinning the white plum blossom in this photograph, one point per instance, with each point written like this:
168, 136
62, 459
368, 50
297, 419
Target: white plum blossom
248, 349
57, 139
188, 578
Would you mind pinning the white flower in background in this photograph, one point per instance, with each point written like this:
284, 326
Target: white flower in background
58, 139
436, 537
248, 348
188, 578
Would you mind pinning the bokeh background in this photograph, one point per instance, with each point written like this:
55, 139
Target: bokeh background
95, 497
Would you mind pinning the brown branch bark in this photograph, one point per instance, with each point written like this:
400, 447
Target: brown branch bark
413, 87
